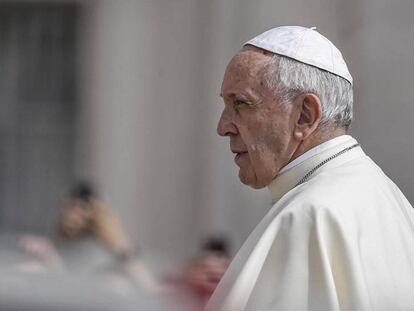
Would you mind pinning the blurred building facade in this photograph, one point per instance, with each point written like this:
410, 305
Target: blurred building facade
38, 111
140, 120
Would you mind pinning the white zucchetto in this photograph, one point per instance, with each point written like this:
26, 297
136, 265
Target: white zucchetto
305, 45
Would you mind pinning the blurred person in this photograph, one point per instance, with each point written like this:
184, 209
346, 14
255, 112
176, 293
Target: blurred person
206, 271
85, 215
90, 239
190, 287
340, 235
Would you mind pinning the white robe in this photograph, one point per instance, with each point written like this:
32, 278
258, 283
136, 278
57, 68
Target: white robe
343, 240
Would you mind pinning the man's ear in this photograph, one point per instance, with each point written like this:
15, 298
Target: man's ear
309, 115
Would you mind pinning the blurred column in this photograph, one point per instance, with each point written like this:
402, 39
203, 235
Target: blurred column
115, 122
138, 137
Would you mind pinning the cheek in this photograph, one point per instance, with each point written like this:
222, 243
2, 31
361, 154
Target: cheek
250, 131
261, 156
259, 142
262, 138
266, 152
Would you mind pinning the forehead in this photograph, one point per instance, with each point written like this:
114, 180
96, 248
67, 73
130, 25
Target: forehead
245, 70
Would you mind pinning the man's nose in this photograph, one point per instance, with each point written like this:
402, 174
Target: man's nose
225, 126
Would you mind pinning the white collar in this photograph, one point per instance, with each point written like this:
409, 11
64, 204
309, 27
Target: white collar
315, 150
286, 181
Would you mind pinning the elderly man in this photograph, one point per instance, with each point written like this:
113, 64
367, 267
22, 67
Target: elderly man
340, 235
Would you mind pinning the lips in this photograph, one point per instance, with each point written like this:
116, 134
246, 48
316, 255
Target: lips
238, 150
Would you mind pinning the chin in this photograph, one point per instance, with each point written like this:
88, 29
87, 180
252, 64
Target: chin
251, 181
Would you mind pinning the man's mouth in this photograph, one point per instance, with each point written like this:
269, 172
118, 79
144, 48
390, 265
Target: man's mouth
239, 154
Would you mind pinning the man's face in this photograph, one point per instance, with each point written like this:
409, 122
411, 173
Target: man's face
260, 128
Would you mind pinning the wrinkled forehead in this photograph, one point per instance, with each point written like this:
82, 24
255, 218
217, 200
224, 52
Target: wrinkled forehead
246, 66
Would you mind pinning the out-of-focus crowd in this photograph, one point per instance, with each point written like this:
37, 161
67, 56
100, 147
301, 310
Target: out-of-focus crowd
89, 264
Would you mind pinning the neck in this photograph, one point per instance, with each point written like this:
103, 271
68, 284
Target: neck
318, 137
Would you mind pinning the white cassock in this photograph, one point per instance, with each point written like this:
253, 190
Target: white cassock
341, 240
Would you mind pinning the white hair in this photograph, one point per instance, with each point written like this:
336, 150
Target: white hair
290, 78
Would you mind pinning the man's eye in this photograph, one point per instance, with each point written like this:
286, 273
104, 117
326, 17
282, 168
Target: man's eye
239, 102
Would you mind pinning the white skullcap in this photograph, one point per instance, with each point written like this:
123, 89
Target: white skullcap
305, 45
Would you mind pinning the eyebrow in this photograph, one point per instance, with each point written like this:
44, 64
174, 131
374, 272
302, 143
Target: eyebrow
236, 95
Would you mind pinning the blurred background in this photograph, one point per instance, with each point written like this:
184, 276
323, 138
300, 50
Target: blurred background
124, 94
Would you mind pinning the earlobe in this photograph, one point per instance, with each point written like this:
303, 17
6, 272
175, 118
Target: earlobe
298, 135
